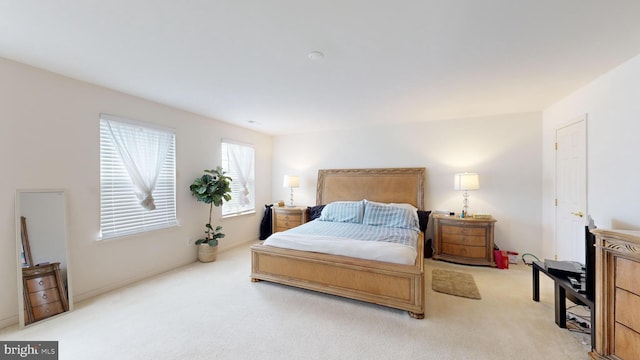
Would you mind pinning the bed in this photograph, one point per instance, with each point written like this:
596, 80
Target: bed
399, 286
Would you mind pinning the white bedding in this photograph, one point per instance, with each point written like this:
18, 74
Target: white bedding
306, 238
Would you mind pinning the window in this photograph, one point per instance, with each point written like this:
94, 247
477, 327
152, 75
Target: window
238, 161
137, 177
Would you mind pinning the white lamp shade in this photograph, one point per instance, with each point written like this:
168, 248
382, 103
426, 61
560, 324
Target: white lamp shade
466, 181
291, 181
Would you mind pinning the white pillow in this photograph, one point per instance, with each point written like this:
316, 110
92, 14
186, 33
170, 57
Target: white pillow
343, 211
401, 205
378, 214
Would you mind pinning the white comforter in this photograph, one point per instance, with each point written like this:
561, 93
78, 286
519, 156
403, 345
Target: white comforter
376, 247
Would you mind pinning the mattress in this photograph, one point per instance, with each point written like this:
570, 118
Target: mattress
380, 243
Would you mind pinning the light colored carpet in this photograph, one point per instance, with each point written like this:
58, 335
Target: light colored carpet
454, 283
214, 311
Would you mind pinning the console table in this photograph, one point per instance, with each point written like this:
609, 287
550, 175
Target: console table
562, 290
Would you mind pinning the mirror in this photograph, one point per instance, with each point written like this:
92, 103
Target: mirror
42, 254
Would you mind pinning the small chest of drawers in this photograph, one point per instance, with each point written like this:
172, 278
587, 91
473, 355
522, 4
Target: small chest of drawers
617, 295
285, 218
44, 293
465, 241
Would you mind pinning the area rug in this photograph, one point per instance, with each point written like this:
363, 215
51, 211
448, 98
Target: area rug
454, 283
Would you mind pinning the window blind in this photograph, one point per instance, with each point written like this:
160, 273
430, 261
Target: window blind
120, 211
238, 161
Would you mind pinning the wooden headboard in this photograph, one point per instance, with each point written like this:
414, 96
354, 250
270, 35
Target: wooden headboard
398, 185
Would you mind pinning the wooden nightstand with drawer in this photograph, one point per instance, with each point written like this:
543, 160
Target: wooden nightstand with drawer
285, 218
44, 292
465, 241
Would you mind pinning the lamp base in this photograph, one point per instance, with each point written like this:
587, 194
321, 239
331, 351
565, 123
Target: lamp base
291, 199
465, 205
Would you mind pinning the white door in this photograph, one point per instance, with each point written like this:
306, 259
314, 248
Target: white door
571, 190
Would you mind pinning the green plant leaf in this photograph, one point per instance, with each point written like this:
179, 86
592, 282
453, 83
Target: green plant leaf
213, 187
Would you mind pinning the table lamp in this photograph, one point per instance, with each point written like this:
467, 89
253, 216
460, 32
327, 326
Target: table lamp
291, 181
466, 181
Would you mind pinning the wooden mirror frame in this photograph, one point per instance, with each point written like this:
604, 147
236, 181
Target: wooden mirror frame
26, 248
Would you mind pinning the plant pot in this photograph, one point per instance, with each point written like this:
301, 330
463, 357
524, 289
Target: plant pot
207, 253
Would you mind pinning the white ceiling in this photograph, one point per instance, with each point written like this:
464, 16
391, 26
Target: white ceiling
386, 61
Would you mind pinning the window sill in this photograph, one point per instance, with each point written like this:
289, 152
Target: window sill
149, 232
230, 216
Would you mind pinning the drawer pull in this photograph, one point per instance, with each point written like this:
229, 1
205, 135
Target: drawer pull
44, 296
40, 282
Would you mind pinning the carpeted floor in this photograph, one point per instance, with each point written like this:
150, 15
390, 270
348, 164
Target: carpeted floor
214, 311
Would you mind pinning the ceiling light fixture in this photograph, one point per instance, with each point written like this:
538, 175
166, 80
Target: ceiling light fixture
315, 55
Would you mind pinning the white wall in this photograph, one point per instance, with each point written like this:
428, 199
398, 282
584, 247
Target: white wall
49, 138
613, 124
504, 150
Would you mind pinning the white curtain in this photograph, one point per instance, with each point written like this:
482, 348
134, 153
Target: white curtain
242, 158
143, 151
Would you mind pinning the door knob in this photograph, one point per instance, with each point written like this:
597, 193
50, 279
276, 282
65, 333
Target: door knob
579, 213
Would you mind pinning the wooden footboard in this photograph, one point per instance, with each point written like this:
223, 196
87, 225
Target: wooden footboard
394, 285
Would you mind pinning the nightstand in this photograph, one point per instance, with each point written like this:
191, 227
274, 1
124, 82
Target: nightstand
44, 293
285, 218
465, 241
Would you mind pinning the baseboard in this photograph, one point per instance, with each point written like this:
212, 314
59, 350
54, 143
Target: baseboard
105, 289
6, 322
120, 284
235, 245
13, 320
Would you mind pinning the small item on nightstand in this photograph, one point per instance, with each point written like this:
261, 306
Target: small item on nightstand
281, 203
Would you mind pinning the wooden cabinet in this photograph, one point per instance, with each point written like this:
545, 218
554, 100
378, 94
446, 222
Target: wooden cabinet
465, 241
285, 218
617, 293
44, 292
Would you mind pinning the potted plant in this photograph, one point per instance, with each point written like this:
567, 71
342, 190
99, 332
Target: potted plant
211, 188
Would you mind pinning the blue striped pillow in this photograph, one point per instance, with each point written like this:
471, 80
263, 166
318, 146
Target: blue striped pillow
343, 211
389, 216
